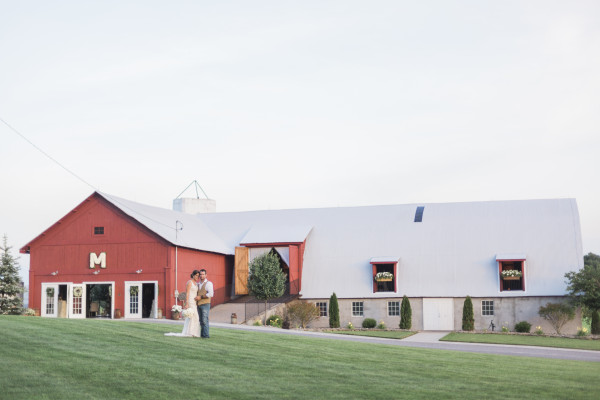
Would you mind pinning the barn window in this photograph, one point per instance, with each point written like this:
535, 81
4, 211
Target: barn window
384, 274
487, 307
357, 309
98, 230
512, 275
419, 214
322, 306
393, 308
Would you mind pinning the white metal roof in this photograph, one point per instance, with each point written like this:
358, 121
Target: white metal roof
451, 253
192, 232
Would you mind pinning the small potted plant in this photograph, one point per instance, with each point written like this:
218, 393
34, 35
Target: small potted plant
384, 277
175, 311
511, 275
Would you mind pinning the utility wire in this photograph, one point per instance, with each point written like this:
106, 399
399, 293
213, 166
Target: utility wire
77, 176
48, 155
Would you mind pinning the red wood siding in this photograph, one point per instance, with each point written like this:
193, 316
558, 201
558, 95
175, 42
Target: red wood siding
129, 246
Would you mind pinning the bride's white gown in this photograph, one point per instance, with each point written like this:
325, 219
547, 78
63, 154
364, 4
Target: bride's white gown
191, 326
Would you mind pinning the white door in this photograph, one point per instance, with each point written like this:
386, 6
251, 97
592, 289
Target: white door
77, 304
133, 300
49, 300
438, 314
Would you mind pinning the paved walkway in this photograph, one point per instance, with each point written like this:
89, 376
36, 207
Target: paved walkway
427, 339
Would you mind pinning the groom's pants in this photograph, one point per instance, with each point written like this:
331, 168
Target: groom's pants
203, 310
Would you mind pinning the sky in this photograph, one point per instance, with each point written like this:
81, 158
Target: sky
296, 104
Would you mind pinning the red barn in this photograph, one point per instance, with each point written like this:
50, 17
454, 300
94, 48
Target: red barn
107, 258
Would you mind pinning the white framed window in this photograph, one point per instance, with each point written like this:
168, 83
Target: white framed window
322, 306
357, 308
487, 307
393, 308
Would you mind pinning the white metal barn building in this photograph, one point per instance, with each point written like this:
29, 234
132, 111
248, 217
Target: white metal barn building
436, 254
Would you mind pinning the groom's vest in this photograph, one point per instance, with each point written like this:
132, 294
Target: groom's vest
203, 301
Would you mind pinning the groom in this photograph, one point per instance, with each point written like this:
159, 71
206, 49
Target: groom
205, 292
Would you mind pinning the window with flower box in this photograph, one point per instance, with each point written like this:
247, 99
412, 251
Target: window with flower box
512, 274
384, 274
357, 308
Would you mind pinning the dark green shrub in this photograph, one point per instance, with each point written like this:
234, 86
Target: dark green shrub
369, 323
468, 320
595, 323
405, 314
523, 327
334, 312
275, 321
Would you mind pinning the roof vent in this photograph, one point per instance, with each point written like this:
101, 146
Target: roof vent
419, 214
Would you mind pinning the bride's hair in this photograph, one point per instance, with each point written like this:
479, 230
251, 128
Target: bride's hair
194, 272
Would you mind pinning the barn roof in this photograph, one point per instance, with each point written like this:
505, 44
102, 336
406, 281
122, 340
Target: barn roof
178, 228
452, 252
441, 249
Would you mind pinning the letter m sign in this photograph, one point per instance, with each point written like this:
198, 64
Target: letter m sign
95, 260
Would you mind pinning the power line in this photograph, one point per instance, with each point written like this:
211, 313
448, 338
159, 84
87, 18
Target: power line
77, 176
48, 155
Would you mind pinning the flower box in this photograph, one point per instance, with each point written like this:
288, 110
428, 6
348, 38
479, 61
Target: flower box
511, 278
383, 277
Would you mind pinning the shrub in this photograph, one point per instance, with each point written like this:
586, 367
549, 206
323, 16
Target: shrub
523, 327
350, 326
303, 313
468, 321
595, 323
583, 331
405, 314
275, 321
539, 331
369, 323
30, 312
558, 314
381, 325
258, 322
334, 312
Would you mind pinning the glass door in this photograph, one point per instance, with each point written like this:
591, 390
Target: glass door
133, 300
49, 306
77, 301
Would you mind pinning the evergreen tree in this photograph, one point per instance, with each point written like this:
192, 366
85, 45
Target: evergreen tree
266, 279
334, 312
405, 314
468, 320
10, 282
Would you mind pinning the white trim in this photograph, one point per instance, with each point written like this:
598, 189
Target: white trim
70, 300
127, 285
44, 299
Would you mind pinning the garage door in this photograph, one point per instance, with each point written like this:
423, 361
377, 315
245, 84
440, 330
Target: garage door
438, 314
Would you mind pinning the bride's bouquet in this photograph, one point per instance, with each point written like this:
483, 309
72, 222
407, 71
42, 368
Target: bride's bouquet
188, 313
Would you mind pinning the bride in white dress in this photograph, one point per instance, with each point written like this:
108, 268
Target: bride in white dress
191, 326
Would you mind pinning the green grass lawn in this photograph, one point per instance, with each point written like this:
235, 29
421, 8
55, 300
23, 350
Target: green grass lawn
375, 333
43, 358
545, 341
